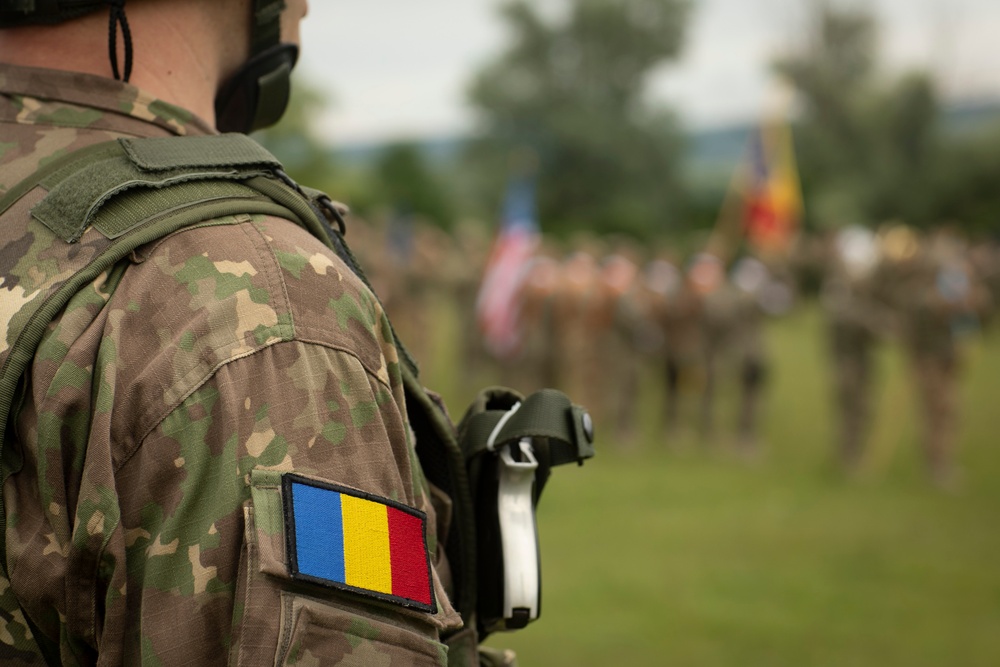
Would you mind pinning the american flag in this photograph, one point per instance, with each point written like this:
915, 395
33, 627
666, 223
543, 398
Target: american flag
498, 306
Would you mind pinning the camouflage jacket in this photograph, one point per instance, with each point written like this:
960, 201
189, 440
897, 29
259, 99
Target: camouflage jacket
164, 408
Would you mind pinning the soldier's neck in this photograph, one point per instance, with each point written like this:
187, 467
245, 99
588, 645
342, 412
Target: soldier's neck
175, 58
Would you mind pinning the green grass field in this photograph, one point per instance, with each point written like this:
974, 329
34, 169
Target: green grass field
671, 554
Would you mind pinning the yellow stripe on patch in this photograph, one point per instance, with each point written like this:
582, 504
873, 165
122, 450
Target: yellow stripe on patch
367, 563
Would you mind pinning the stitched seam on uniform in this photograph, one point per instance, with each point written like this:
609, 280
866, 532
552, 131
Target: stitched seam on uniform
276, 265
130, 452
70, 85
59, 126
285, 640
301, 336
266, 265
296, 328
251, 570
269, 263
68, 124
73, 84
95, 577
151, 248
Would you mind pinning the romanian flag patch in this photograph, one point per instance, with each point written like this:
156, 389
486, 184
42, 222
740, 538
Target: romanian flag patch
347, 539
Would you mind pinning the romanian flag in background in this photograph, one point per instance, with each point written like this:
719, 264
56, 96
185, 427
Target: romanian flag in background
498, 308
772, 198
346, 539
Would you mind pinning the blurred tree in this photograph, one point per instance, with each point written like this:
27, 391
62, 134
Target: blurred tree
572, 90
874, 148
405, 181
907, 149
966, 182
295, 140
833, 73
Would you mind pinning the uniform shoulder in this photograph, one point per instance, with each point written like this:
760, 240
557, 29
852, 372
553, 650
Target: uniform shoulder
200, 298
330, 304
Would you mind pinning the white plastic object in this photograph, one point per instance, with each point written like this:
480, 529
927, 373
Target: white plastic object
517, 530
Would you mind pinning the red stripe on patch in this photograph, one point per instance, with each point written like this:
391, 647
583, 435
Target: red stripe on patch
410, 569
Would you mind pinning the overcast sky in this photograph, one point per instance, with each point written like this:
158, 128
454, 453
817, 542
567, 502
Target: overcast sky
399, 68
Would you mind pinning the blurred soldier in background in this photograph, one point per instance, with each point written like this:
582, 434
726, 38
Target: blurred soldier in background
676, 313
855, 320
929, 287
575, 305
761, 294
984, 259
421, 276
720, 313
535, 364
465, 269
618, 333
731, 341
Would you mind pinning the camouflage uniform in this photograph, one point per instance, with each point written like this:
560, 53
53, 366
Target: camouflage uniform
574, 310
855, 322
733, 343
144, 515
676, 311
985, 260
920, 286
534, 366
760, 293
619, 335
465, 269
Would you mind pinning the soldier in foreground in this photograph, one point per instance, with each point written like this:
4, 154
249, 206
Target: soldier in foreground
177, 403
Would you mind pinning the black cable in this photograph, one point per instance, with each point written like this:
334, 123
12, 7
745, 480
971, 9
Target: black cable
117, 17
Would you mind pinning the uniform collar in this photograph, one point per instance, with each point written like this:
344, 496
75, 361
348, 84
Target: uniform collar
94, 93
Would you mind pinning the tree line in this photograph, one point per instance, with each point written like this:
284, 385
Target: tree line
568, 101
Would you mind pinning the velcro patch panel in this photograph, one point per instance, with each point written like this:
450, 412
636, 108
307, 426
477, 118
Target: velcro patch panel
350, 540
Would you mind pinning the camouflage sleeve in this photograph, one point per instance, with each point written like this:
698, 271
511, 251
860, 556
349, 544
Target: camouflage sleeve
208, 552
197, 427
325, 404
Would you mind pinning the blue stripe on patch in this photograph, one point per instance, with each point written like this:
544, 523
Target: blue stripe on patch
319, 532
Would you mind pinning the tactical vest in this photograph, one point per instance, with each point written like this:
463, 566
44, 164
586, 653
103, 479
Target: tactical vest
135, 191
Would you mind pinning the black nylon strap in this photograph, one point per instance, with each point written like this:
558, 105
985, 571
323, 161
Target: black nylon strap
117, 17
266, 28
545, 414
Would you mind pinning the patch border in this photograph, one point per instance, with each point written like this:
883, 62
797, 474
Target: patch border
288, 510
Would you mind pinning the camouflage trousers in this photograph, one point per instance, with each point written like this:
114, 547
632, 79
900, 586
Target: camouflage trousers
937, 386
853, 379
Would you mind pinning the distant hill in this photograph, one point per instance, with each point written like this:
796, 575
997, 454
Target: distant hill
972, 115
721, 149
712, 153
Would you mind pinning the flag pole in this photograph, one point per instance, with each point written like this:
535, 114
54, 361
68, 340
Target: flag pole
727, 233
781, 186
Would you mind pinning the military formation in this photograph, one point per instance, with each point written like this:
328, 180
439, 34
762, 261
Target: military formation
599, 320
924, 292
602, 319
